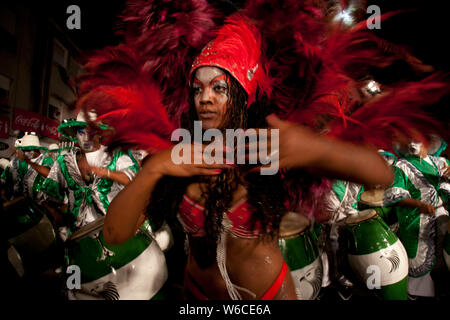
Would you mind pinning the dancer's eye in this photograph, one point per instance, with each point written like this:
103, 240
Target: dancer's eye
220, 87
197, 89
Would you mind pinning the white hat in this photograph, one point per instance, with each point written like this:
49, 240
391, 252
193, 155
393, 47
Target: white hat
81, 117
53, 147
28, 141
3, 163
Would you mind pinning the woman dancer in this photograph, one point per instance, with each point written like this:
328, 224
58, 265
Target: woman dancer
232, 216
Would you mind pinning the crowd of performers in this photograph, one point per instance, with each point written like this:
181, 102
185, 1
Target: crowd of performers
357, 209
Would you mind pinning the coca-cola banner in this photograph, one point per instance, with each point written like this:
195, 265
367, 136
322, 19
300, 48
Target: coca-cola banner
34, 122
49, 128
4, 127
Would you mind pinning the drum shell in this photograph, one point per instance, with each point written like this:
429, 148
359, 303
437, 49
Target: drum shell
447, 247
301, 254
162, 235
299, 250
372, 243
369, 236
137, 268
31, 233
388, 214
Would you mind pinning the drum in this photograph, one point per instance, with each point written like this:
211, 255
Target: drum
447, 247
299, 249
135, 270
376, 255
163, 236
373, 199
31, 233
16, 261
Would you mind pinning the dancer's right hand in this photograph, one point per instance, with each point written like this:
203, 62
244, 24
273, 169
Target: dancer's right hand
165, 162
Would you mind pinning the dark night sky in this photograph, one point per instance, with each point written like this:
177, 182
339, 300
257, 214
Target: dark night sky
424, 31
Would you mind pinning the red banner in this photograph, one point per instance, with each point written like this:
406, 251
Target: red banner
49, 128
4, 127
33, 122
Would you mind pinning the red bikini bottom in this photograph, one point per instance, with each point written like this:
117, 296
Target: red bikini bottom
196, 292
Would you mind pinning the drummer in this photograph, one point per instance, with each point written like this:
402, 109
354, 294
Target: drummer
53, 151
340, 203
12, 175
91, 176
38, 164
99, 174
3, 164
422, 216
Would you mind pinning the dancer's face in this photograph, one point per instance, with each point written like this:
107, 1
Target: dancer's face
84, 140
31, 154
210, 96
418, 149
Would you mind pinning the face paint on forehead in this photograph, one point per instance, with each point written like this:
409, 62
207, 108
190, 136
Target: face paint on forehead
206, 75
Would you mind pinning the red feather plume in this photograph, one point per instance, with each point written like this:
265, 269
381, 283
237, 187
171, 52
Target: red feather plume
168, 35
125, 99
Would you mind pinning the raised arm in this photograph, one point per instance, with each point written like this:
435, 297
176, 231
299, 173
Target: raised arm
42, 170
422, 206
301, 147
126, 210
116, 176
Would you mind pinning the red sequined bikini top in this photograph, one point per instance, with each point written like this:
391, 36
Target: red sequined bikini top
192, 218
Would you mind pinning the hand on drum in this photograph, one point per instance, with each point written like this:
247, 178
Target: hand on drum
162, 164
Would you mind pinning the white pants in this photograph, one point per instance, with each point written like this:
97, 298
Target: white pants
423, 286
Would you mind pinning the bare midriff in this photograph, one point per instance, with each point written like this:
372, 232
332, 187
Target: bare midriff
252, 263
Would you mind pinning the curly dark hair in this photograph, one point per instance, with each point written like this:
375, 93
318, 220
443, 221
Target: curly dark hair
266, 196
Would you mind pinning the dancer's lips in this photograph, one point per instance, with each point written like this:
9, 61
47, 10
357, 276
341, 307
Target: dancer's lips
206, 115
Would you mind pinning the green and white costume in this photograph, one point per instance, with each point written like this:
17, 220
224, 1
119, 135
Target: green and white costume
134, 270
32, 180
341, 202
12, 177
421, 234
87, 202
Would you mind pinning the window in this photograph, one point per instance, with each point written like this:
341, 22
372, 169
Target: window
8, 21
60, 54
5, 84
55, 109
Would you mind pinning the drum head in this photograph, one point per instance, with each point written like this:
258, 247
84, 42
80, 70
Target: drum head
373, 198
293, 223
88, 229
361, 217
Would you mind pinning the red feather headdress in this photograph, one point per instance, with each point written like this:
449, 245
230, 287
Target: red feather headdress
237, 49
312, 69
